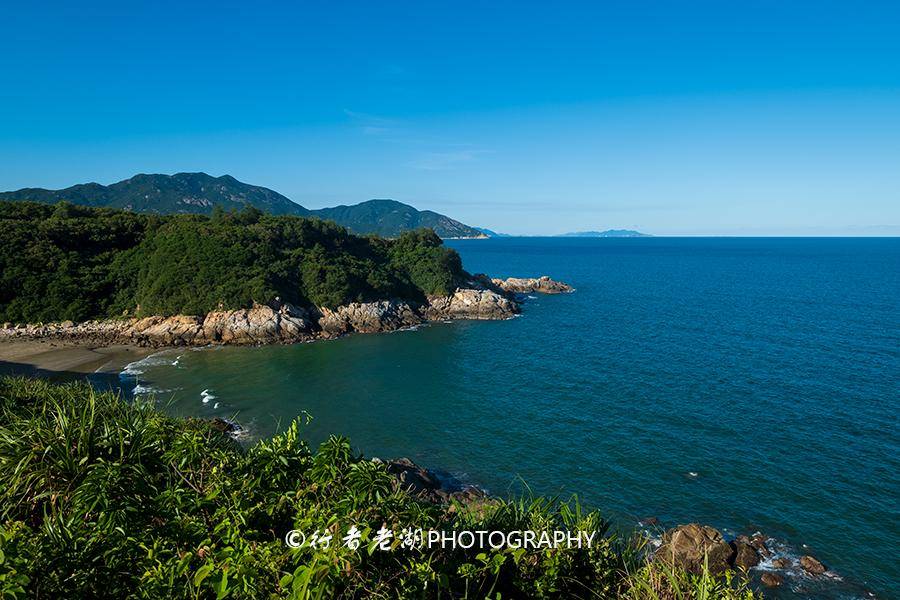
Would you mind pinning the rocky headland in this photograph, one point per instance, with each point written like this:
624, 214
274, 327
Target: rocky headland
481, 298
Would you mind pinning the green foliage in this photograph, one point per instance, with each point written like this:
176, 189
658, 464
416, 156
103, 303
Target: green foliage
430, 267
72, 262
106, 499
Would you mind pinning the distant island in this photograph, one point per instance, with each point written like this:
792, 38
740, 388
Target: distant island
609, 233
199, 193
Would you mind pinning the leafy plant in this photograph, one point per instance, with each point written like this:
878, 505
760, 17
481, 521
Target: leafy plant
108, 499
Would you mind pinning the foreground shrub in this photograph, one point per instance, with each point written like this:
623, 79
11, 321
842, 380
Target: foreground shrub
106, 499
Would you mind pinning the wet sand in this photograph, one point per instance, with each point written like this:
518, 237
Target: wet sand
25, 356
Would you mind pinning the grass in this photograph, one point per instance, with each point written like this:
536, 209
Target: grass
107, 499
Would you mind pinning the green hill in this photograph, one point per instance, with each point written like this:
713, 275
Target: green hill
74, 262
199, 193
389, 218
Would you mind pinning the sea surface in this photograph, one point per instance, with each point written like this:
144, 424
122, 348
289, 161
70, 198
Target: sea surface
752, 384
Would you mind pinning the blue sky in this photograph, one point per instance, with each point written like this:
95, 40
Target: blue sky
753, 118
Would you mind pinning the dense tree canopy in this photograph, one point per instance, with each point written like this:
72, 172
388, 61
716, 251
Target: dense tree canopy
72, 262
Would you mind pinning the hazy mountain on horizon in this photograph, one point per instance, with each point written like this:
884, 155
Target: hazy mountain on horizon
491, 233
199, 193
619, 233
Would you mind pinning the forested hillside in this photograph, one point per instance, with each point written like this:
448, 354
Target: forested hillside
74, 262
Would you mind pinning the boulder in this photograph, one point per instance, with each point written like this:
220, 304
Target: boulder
528, 285
782, 563
260, 324
811, 565
769, 579
649, 522
225, 426
758, 541
368, 317
468, 303
690, 546
745, 555
432, 486
416, 480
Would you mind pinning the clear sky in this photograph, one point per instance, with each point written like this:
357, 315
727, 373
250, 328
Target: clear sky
756, 118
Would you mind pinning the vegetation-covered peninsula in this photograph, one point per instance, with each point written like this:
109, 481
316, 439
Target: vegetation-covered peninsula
67, 262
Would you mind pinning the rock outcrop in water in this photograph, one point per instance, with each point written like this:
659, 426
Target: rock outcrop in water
812, 565
689, 546
436, 487
543, 285
285, 323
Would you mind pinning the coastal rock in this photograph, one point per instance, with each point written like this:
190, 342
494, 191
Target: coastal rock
284, 323
179, 330
649, 522
689, 546
430, 485
771, 579
745, 555
758, 541
528, 285
368, 317
414, 479
258, 325
811, 565
466, 303
225, 426
782, 563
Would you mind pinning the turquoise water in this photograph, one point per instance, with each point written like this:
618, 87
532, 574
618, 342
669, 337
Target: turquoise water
751, 384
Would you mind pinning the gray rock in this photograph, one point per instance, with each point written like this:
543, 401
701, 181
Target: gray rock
528, 285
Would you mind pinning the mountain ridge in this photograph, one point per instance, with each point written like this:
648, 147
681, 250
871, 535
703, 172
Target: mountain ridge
200, 193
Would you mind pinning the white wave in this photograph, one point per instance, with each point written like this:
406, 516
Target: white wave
140, 389
138, 367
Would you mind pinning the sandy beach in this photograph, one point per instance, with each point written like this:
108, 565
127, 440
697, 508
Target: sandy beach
56, 356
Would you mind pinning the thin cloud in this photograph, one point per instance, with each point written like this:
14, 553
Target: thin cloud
445, 161
370, 124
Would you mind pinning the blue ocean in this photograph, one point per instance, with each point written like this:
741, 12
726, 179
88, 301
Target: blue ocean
748, 383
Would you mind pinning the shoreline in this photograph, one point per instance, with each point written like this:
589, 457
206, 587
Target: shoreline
62, 356
276, 322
